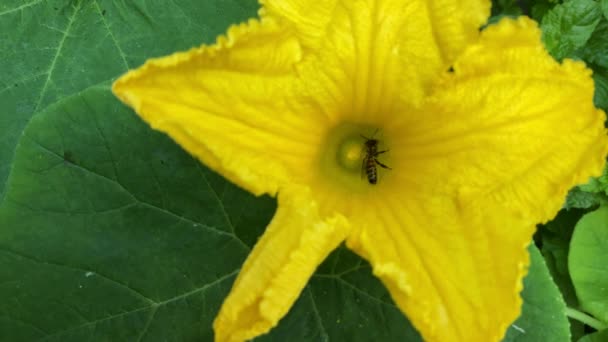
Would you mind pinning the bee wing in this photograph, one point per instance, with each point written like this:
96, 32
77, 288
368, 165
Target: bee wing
363, 165
363, 155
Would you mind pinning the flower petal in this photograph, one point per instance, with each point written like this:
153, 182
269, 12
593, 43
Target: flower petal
294, 244
454, 24
371, 54
457, 276
491, 154
234, 105
510, 126
309, 18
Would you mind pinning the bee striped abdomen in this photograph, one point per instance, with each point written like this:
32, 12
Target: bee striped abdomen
371, 171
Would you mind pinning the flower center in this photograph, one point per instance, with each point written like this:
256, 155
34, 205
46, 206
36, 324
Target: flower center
354, 156
349, 153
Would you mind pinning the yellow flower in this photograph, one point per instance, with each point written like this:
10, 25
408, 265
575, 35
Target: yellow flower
484, 134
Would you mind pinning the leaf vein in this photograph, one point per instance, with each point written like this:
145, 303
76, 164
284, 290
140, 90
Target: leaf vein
75, 268
12, 85
168, 212
57, 54
324, 335
105, 23
356, 289
23, 322
147, 326
22, 7
221, 205
144, 308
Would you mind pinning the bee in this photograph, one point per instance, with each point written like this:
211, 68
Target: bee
370, 160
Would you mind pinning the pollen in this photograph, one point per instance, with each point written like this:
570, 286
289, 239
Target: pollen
349, 153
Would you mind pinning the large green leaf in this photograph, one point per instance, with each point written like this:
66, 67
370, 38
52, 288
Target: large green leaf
53, 48
588, 262
108, 231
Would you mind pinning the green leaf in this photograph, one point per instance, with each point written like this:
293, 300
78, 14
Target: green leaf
591, 194
600, 336
506, 8
53, 48
540, 8
599, 184
140, 241
604, 5
543, 307
579, 199
588, 262
135, 237
554, 238
596, 49
502, 9
600, 98
568, 26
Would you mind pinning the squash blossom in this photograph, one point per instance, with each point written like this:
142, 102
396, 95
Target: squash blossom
483, 132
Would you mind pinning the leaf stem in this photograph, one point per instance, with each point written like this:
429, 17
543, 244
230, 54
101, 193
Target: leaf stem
586, 319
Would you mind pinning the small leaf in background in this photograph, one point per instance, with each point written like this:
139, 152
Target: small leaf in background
588, 263
600, 98
540, 8
554, 240
599, 184
543, 307
504, 8
579, 199
596, 49
600, 336
591, 194
568, 26
604, 5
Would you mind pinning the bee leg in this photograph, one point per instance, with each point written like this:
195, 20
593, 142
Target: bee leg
380, 152
382, 165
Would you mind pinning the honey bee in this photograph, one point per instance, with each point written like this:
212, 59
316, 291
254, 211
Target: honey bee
370, 160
